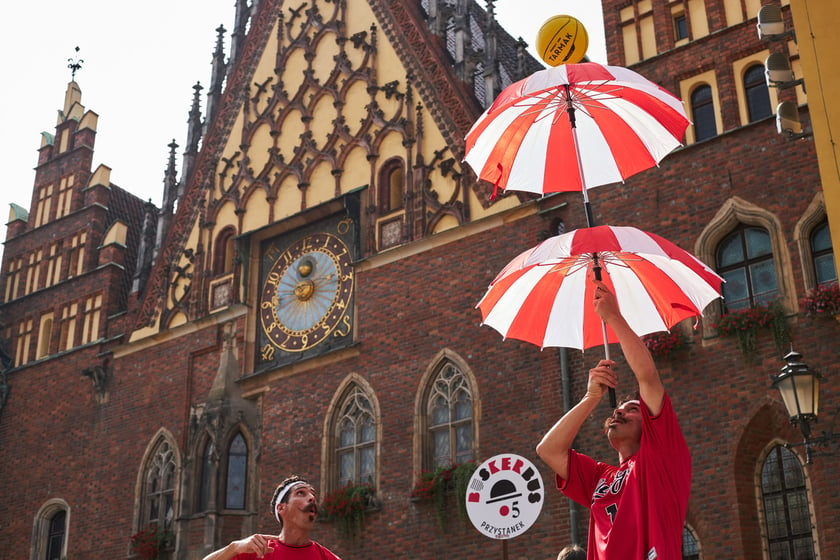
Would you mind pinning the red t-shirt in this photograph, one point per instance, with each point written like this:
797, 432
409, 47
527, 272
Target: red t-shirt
311, 551
637, 510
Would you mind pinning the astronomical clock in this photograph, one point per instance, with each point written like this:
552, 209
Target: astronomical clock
305, 299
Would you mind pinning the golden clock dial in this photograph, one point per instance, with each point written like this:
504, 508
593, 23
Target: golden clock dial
306, 292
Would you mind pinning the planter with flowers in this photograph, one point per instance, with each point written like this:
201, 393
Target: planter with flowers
151, 543
433, 486
744, 325
822, 301
666, 344
347, 506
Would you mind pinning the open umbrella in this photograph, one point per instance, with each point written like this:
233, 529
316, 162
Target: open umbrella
574, 127
544, 295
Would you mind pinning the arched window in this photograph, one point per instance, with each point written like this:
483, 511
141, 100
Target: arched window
223, 251
758, 98
206, 477
44, 336
355, 440
703, 113
390, 189
50, 531
449, 419
787, 516
822, 254
745, 261
158, 507
237, 473
690, 547
55, 535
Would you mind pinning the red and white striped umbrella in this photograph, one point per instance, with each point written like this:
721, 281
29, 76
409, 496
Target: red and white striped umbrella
544, 296
574, 127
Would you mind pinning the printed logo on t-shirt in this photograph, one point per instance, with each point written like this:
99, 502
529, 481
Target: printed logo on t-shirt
612, 487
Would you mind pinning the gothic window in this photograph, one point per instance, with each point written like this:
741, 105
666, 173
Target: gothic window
758, 97
449, 419
205, 477
787, 516
703, 113
822, 254
158, 491
690, 547
390, 188
745, 260
355, 439
224, 251
237, 473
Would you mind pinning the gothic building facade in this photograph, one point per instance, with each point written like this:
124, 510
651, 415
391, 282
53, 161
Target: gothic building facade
304, 299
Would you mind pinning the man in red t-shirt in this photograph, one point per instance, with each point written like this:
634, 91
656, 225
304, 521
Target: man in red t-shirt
295, 506
637, 509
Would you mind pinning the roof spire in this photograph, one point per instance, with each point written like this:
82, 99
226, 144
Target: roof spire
75, 64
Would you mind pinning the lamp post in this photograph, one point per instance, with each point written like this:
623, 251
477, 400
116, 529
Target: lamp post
799, 387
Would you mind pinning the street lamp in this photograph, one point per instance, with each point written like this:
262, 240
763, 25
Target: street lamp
800, 390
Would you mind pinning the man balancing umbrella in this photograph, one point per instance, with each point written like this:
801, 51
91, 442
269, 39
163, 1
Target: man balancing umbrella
575, 127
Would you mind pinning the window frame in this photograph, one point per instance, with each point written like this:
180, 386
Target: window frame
329, 455
780, 450
423, 452
747, 263
142, 510
41, 528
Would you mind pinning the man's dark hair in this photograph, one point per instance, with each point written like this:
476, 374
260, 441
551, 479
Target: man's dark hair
294, 479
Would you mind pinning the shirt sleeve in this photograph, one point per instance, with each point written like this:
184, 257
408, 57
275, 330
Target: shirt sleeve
584, 473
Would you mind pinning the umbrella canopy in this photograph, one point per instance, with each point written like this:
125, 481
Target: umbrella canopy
544, 296
574, 127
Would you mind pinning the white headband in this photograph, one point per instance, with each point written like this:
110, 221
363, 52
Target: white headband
282, 495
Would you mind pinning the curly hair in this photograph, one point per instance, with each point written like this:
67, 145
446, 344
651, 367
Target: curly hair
293, 479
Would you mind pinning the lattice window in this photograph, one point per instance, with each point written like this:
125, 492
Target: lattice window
355, 440
745, 260
787, 514
449, 419
158, 496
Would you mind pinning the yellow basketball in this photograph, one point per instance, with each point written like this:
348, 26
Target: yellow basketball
562, 40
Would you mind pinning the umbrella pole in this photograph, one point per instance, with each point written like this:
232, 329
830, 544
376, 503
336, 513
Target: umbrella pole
597, 271
590, 221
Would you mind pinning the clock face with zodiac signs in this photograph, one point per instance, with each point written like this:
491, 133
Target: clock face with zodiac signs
306, 295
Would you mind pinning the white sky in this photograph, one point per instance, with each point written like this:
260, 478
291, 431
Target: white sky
140, 63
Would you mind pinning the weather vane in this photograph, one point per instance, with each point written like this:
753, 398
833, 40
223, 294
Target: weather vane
75, 64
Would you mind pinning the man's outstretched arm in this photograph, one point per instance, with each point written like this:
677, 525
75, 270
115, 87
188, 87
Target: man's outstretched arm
635, 352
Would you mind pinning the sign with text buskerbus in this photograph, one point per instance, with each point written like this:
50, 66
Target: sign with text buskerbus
505, 496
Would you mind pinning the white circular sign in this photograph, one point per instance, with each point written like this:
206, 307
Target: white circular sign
505, 496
